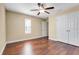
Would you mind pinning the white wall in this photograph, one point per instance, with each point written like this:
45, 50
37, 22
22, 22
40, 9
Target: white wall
15, 27
2, 28
52, 27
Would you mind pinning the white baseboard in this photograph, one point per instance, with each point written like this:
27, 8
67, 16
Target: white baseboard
2, 49
52, 39
63, 42
23, 39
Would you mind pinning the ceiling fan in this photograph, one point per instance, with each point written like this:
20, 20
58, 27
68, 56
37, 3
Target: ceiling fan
42, 8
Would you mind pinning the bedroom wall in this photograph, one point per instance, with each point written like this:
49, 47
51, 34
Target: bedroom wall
16, 29
2, 28
52, 27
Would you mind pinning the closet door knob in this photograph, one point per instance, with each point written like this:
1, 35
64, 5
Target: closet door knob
68, 30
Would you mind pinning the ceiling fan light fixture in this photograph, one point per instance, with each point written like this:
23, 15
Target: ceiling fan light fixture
41, 11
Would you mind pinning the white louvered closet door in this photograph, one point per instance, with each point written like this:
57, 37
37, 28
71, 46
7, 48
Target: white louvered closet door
75, 40
73, 25
72, 32
77, 29
61, 27
68, 28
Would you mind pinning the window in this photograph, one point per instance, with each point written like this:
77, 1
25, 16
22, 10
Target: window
27, 26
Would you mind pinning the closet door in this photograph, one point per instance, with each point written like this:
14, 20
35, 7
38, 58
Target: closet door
61, 24
68, 28
77, 29
73, 25
71, 28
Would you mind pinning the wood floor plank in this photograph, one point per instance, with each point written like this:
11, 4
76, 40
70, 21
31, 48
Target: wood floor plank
40, 46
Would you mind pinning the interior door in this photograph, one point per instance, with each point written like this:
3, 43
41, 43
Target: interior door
71, 29
75, 18
61, 28
44, 28
68, 28
73, 25
77, 29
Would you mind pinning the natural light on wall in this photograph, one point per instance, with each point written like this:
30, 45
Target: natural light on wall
27, 26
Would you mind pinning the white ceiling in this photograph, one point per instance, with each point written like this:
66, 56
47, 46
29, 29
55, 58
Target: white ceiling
26, 7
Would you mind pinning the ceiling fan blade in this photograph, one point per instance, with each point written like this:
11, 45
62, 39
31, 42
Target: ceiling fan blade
46, 12
49, 8
39, 4
42, 5
38, 13
34, 10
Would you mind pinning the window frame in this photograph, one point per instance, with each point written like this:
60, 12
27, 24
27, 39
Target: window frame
28, 27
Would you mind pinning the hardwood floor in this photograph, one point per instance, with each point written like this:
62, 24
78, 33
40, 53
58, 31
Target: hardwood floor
41, 46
